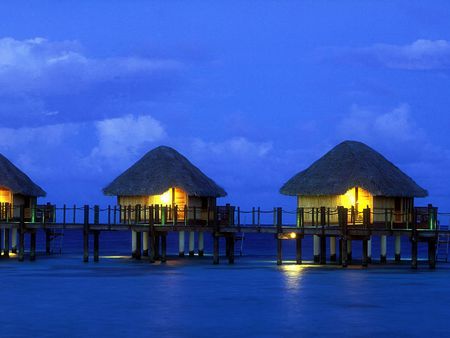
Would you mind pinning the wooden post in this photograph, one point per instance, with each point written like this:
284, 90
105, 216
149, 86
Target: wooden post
231, 252
215, 248
365, 260
6, 250
163, 247
323, 238
151, 235
344, 253
48, 242
157, 247
432, 253
33, 245
279, 222
340, 251
298, 247
86, 234
316, 248
133, 243
138, 245
181, 244
22, 234
414, 252
96, 245
333, 257
14, 240
349, 251
191, 243
145, 243
383, 250
398, 242
201, 244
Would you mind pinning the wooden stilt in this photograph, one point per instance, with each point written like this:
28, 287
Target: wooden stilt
279, 222
298, 248
365, 256
191, 243
323, 250
383, 250
369, 250
145, 244
22, 234
333, 249
201, 244
47, 242
163, 247
86, 234
215, 248
231, 253
14, 240
96, 245
398, 242
133, 244
181, 244
432, 253
151, 235
340, 251
414, 252
316, 245
138, 252
6, 248
33, 245
279, 251
344, 253
349, 251
157, 247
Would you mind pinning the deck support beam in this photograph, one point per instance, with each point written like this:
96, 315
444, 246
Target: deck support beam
138, 252
133, 244
323, 250
365, 256
231, 252
344, 253
414, 252
432, 253
369, 250
383, 249
279, 251
349, 251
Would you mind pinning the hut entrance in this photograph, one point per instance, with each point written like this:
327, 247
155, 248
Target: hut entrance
358, 198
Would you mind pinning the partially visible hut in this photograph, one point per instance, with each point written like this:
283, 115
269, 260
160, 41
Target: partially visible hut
354, 175
17, 189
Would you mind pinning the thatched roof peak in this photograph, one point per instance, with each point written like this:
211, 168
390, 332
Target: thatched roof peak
353, 164
16, 180
159, 170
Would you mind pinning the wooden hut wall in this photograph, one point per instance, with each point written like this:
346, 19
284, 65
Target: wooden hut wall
201, 205
399, 206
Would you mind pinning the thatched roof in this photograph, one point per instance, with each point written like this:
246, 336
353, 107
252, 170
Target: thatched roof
353, 164
16, 180
159, 170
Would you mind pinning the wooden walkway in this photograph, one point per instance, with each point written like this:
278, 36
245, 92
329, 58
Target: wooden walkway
157, 222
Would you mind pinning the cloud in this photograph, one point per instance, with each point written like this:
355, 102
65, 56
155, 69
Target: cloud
40, 65
237, 147
421, 54
126, 136
394, 125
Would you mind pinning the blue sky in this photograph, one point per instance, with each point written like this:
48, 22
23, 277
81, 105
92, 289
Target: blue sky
251, 91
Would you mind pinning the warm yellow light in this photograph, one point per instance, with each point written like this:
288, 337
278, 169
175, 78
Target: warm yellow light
293, 235
165, 198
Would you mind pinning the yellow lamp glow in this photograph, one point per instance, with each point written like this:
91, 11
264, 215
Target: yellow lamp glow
165, 198
293, 235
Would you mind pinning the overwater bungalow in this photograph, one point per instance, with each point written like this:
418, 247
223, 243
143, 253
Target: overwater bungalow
355, 176
164, 177
16, 190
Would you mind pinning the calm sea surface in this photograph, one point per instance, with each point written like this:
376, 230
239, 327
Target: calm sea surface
59, 296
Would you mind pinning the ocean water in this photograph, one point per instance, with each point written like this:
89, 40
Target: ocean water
59, 296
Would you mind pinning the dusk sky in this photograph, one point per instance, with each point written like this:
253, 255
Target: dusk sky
251, 92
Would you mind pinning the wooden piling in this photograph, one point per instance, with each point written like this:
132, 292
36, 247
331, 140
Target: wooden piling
21, 234
201, 244
215, 248
279, 222
138, 252
344, 253
181, 244
6, 249
33, 245
163, 247
96, 245
298, 249
48, 242
191, 243
231, 253
333, 257
86, 234
398, 242
432, 253
365, 257
383, 250
414, 252
14, 240
151, 235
